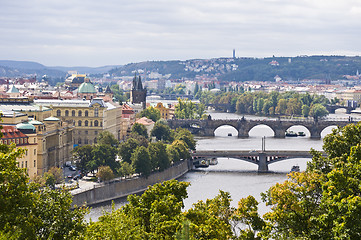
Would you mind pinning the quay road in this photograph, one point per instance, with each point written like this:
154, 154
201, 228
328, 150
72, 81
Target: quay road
261, 158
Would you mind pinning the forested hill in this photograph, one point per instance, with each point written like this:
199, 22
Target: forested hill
248, 69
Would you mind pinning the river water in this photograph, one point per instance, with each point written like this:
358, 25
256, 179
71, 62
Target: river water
237, 177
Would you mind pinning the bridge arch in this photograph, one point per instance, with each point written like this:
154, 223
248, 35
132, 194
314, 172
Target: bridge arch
327, 130
226, 130
267, 131
300, 129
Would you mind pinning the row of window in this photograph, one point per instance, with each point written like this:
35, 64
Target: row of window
86, 141
17, 141
26, 164
86, 132
86, 123
80, 113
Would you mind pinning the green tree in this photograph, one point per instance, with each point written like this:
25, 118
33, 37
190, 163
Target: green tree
151, 113
178, 150
305, 110
106, 138
82, 156
318, 111
28, 212
187, 137
158, 156
162, 131
127, 148
211, 219
104, 155
185, 109
126, 169
105, 173
139, 129
281, 106
141, 161
247, 214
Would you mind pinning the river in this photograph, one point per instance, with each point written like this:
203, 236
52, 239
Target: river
237, 177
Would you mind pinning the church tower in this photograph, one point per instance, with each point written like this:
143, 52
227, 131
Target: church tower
138, 94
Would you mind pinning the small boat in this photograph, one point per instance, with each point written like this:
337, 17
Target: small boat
291, 134
295, 168
301, 134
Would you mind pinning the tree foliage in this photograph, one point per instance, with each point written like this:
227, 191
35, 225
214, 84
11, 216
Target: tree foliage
139, 129
151, 113
29, 212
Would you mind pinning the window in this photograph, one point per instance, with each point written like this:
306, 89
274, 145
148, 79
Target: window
34, 163
96, 112
58, 113
5, 142
86, 132
26, 152
73, 113
34, 140
79, 132
26, 164
17, 141
86, 141
25, 140
79, 113
21, 141
86, 113
96, 123
79, 123
22, 164
95, 140
34, 151
79, 141
66, 113
86, 123
96, 132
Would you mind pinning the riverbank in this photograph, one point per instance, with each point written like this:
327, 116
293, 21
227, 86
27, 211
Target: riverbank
120, 188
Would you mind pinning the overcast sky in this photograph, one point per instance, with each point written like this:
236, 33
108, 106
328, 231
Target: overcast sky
106, 32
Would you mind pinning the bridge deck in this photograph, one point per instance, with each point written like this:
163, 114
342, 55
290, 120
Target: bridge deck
239, 153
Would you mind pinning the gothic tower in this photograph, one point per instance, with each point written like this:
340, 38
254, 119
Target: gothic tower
138, 94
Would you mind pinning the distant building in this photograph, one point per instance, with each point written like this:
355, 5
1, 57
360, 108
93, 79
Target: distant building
274, 63
165, 113
74, 81
89, 117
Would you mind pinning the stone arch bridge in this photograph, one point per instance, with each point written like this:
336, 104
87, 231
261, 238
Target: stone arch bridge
243, 126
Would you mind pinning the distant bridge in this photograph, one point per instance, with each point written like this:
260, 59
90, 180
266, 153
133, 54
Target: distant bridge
261, 158
243, 126
332, 108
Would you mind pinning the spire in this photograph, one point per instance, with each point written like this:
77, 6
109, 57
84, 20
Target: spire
139, 85
135, 81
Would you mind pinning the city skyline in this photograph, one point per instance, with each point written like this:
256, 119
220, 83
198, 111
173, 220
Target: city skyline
93, 33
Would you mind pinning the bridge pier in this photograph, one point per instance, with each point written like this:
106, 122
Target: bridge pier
242, 133
280, 133
262, 163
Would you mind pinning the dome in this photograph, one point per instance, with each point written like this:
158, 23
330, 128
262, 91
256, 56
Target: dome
25, 126
51, 119
35, 122
86, 87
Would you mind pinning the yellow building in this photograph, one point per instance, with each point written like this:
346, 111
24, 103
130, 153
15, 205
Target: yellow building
165, 113
12, 134
89, 117
52, 139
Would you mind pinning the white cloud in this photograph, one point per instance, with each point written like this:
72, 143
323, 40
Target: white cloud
94, 33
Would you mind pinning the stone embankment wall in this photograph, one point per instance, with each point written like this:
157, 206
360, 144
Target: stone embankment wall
117, 189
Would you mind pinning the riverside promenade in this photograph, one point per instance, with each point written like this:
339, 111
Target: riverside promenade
91, 193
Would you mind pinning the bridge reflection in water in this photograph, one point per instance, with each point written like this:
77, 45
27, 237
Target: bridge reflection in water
261, 158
